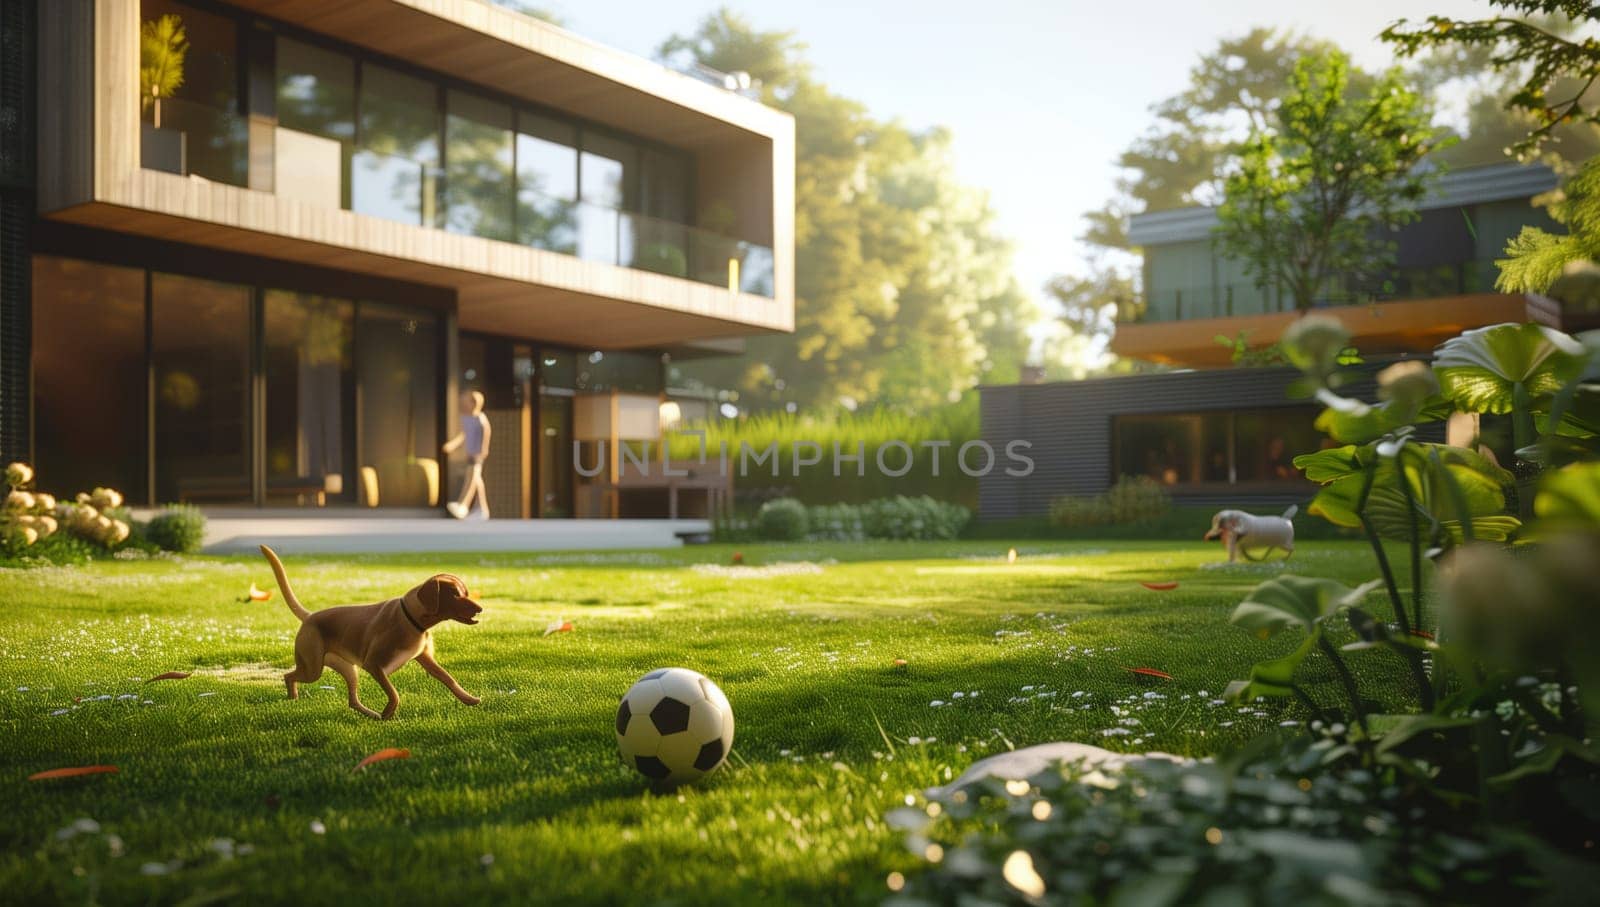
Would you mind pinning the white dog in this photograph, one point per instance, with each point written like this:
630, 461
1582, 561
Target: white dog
1240, 530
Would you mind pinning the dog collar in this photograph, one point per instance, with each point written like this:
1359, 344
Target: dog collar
407, 612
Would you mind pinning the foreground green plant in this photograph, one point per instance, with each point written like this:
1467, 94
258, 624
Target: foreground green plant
1474, 779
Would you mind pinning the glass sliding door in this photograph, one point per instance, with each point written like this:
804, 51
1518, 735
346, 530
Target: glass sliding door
397, 374
310, 386
200, 356
88, 377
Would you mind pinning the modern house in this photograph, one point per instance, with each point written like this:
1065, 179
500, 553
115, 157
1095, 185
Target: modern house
267, 284
1215, 432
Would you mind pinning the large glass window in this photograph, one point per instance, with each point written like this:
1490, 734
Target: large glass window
547, 184
479, 193
398, 367
88, 377
395, 171
196, 128
310, 389
604, 170
200, 355
1217, 448
316, 102
1268, 440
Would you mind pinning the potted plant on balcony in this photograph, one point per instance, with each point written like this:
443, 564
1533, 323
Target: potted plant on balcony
163, 47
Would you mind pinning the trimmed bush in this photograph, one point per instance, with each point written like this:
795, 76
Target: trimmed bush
920, 518
836, 523
783, 520
1132, 501
180, 528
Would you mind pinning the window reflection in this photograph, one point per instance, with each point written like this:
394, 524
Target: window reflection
200, 357
309, 381
1215, 448
394, 174
316, 123
478, 182
547, 184
199, 129
398, 358
88, 377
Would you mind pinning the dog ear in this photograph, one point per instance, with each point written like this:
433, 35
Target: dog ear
430, 593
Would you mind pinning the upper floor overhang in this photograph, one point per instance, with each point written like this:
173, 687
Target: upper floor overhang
1413, 326
90, 170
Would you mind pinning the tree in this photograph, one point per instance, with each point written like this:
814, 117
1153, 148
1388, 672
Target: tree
1181, 160
904, 294
1313, 197
1557, 69
1536, 259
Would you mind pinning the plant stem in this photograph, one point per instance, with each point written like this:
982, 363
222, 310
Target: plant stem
1389, 583
1349, 681
1416, 539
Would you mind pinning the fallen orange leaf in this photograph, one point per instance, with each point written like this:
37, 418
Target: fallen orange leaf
381, 755
738, 557
73, 772
1160, 587
170, 675
899, 662
259, 595
1423, 633
1149, 672
558, 626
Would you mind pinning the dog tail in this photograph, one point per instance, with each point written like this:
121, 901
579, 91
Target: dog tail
1293, 509
283, 584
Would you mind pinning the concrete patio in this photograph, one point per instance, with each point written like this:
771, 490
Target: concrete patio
241, 532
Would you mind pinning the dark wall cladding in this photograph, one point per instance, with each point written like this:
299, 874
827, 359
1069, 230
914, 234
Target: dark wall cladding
1069, 424
17, 40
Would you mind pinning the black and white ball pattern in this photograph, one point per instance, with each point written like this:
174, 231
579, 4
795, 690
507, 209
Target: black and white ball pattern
674, 725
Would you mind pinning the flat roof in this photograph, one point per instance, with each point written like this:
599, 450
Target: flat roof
1473, 185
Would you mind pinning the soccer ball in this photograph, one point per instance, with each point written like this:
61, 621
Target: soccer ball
674, 725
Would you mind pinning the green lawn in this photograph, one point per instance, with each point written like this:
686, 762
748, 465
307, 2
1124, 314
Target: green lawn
226, 788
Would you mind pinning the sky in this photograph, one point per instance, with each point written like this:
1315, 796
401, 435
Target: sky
1041, 96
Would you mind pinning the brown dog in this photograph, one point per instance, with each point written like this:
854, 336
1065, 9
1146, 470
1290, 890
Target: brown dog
380, 638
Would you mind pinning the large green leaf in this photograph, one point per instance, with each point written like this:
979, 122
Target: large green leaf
1570, 496
1295, 601
1273, 678
1342, 472
1478, 369
1354, 422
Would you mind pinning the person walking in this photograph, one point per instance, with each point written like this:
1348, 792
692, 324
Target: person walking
474, 436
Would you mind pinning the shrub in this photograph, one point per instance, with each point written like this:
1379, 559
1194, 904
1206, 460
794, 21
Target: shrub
920, 518
783, 519
1132, 501
837, 523
1137, 500
180, 528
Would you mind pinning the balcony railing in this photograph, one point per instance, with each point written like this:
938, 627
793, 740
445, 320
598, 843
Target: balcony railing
1228, 300
214, 143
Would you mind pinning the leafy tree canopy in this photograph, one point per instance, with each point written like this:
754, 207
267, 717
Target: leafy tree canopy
904, 288
1555, 67
1315, 194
